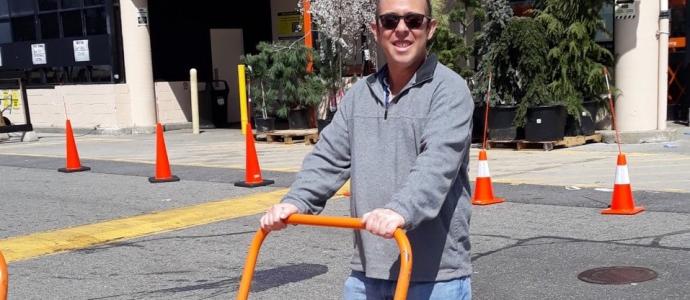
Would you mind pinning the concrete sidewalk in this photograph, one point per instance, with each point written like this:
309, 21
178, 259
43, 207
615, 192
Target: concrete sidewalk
653, 167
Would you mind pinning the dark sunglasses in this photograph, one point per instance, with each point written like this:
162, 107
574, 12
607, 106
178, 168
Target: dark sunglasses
412, 20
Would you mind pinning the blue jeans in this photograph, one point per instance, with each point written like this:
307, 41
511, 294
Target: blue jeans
359, 287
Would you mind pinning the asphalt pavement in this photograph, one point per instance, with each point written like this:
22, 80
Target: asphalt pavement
531, 247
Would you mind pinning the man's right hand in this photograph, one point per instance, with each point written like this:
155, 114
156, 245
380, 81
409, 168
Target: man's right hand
274, 218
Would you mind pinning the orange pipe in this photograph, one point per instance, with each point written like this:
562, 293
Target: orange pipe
307, 34
4, 277
326, 221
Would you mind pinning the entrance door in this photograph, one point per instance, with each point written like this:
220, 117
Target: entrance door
227, 46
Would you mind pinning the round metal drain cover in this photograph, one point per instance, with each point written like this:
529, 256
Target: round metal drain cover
617, 275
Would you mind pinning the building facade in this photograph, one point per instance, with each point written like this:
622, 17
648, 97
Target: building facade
120, 66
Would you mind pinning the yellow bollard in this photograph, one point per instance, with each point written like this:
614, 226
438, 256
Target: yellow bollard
194, 90
243, 97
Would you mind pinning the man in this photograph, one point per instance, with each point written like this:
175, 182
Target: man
402, 136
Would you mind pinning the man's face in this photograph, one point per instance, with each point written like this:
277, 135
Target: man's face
404, 42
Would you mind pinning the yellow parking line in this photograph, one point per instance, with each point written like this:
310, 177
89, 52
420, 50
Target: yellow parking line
79, 237
49, 242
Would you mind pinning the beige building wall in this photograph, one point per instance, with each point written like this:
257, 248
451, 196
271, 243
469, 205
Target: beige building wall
105, 108
637, 50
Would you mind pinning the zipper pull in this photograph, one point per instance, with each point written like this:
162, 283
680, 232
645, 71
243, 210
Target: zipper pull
385, 114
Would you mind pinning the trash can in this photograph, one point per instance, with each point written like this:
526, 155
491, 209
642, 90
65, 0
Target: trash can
219, 92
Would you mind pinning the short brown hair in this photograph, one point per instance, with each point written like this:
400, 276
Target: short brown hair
428, 8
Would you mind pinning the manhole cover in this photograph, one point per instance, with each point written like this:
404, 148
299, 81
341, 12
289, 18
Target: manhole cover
617, 275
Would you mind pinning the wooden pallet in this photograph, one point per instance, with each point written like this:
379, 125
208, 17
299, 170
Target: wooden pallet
566, 142
308, 136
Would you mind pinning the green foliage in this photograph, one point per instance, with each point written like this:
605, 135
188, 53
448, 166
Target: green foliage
449, 44
522, 72
490, 48
577, 59
283, 81
263, 94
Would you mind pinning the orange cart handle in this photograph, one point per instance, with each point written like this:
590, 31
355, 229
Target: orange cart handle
326, 221
4, 277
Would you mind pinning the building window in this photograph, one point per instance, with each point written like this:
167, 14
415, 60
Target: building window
21, 7
4, 9
23, 28
5, 32
71, 23
44, 5
70, 3
95, 21
50, 27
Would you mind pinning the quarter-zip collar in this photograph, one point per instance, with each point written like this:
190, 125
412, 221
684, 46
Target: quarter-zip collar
380, 88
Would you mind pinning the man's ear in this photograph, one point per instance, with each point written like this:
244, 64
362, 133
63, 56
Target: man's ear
432, 29
373, 27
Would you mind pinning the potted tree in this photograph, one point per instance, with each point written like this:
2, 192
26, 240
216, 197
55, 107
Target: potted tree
263, 95
576, 57
540, 112
298, 91
492, 49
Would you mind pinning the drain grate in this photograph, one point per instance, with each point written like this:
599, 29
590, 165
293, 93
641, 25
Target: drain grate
617, 275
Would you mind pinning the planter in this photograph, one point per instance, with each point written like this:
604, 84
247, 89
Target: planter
298, 119
501, 126
545, 123
264, 125
587, 119
478, 122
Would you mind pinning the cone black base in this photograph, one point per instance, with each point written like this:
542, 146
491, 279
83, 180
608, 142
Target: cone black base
80, 169
161, 180
264, 182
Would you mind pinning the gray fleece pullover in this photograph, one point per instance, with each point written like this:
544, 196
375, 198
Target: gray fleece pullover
411, 157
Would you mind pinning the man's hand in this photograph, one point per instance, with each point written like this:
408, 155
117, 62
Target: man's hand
274, 218
383, 222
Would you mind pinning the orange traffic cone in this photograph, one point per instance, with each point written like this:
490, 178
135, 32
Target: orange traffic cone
483, 189
72, 156
4, 277
622, 202
253, 176
163, 173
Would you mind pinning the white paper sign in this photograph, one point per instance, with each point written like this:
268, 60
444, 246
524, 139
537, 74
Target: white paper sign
81, 50
38, 54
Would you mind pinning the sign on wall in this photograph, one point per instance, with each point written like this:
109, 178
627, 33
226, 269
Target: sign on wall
38, 54
81, 50
289, 25
625, 9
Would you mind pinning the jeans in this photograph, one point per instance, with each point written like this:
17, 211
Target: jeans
359, 287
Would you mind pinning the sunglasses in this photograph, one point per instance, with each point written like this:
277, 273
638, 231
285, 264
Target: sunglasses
412, 20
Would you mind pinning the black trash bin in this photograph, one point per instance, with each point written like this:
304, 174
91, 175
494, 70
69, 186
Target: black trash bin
219, 102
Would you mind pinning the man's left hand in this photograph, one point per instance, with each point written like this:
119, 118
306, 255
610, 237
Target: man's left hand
383, 222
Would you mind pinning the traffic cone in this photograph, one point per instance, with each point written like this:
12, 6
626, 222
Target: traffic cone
253, 171
483, 189
622, 202
163, 173
72, 156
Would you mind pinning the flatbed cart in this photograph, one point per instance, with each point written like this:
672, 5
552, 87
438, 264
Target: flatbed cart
327, 221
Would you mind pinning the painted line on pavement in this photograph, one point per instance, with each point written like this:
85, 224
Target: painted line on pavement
79, 237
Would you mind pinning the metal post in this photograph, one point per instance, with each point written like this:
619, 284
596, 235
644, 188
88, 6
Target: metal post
194, 90
241, 77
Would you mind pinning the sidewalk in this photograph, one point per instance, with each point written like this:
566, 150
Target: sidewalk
653, 167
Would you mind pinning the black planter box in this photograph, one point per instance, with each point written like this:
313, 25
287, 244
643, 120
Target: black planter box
586, 124
545, 123
298, 119
478, 122
501, 126
264, 125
